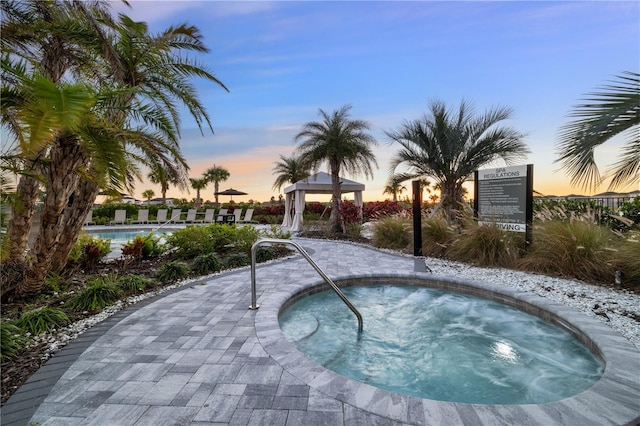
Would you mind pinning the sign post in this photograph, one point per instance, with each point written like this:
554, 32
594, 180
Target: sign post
417, 218
504, 197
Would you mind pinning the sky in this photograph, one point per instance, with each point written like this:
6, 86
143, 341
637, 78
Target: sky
284, 60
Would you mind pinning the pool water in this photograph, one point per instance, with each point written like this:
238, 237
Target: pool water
124, 236
441, 345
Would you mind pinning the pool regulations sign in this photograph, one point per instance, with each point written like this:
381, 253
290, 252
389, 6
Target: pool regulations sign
504, 196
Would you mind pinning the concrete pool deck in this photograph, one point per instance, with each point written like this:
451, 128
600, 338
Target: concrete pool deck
198, 355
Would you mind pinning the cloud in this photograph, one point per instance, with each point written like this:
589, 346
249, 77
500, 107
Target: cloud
153, 11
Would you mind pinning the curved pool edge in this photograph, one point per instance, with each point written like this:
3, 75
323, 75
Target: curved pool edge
611, 400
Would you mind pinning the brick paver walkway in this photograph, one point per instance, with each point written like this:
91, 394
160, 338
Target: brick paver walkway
198, 355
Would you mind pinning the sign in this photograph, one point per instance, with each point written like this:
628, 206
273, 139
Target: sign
504, 197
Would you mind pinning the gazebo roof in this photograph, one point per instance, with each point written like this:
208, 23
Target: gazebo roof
320, 183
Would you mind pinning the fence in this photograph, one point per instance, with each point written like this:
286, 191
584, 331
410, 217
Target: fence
610, 202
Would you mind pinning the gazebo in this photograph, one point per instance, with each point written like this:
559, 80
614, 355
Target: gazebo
320, 183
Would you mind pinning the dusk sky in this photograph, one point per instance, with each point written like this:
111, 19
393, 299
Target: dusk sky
282, 61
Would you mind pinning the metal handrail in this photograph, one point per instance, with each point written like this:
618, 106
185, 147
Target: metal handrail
166, 223
304, 254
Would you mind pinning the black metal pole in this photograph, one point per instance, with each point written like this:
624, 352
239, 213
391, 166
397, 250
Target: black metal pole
417, 218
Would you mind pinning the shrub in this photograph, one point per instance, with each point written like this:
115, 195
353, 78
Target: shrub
97, 294
88, 251
268, 219
206, 263
626, 258
237, 260
142, 247
276, 232
631, 210
350, 212
243, 238
392, 232
11, 340
134, 283
264, 254
173, 271
43, 319
107, 211
54, 283
379, 209
486, 245
353, 231
575, 248
215, 238
437, 235
589, 210
271, 210
194, 240
318, 208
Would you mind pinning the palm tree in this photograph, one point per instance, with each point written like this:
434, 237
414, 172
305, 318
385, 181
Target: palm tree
216, 175
160, 176
148, 194
198, 184
107, 159
343, 144
449, 146
155, 77
608, 113
288, 170
394, 187
49, 39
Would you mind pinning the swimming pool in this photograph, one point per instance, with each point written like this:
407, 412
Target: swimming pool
122, 236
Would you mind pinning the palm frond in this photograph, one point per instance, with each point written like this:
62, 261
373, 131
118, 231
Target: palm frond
607, 113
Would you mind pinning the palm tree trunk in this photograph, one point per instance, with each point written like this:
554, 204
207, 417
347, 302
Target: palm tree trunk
85, 196
163, 189
64, 158
216, 187
22, 217
336, 198
451, 195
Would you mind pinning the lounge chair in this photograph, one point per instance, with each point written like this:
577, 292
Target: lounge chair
220, 219
175, 215
120, 217
208, 215
191, 216
237, 212
89, 219
248, 215
143, 216
161, 217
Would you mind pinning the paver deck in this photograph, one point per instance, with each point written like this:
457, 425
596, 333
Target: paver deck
198, 355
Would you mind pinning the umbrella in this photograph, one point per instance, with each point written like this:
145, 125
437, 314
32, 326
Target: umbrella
231, 192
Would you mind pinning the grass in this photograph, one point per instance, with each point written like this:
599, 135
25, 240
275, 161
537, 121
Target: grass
173, 271
625, 257
568, 244
11, 340
133, 283
574, 248
392, 232
437, 236
485, 245
42, 319
206, 263
98, 294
